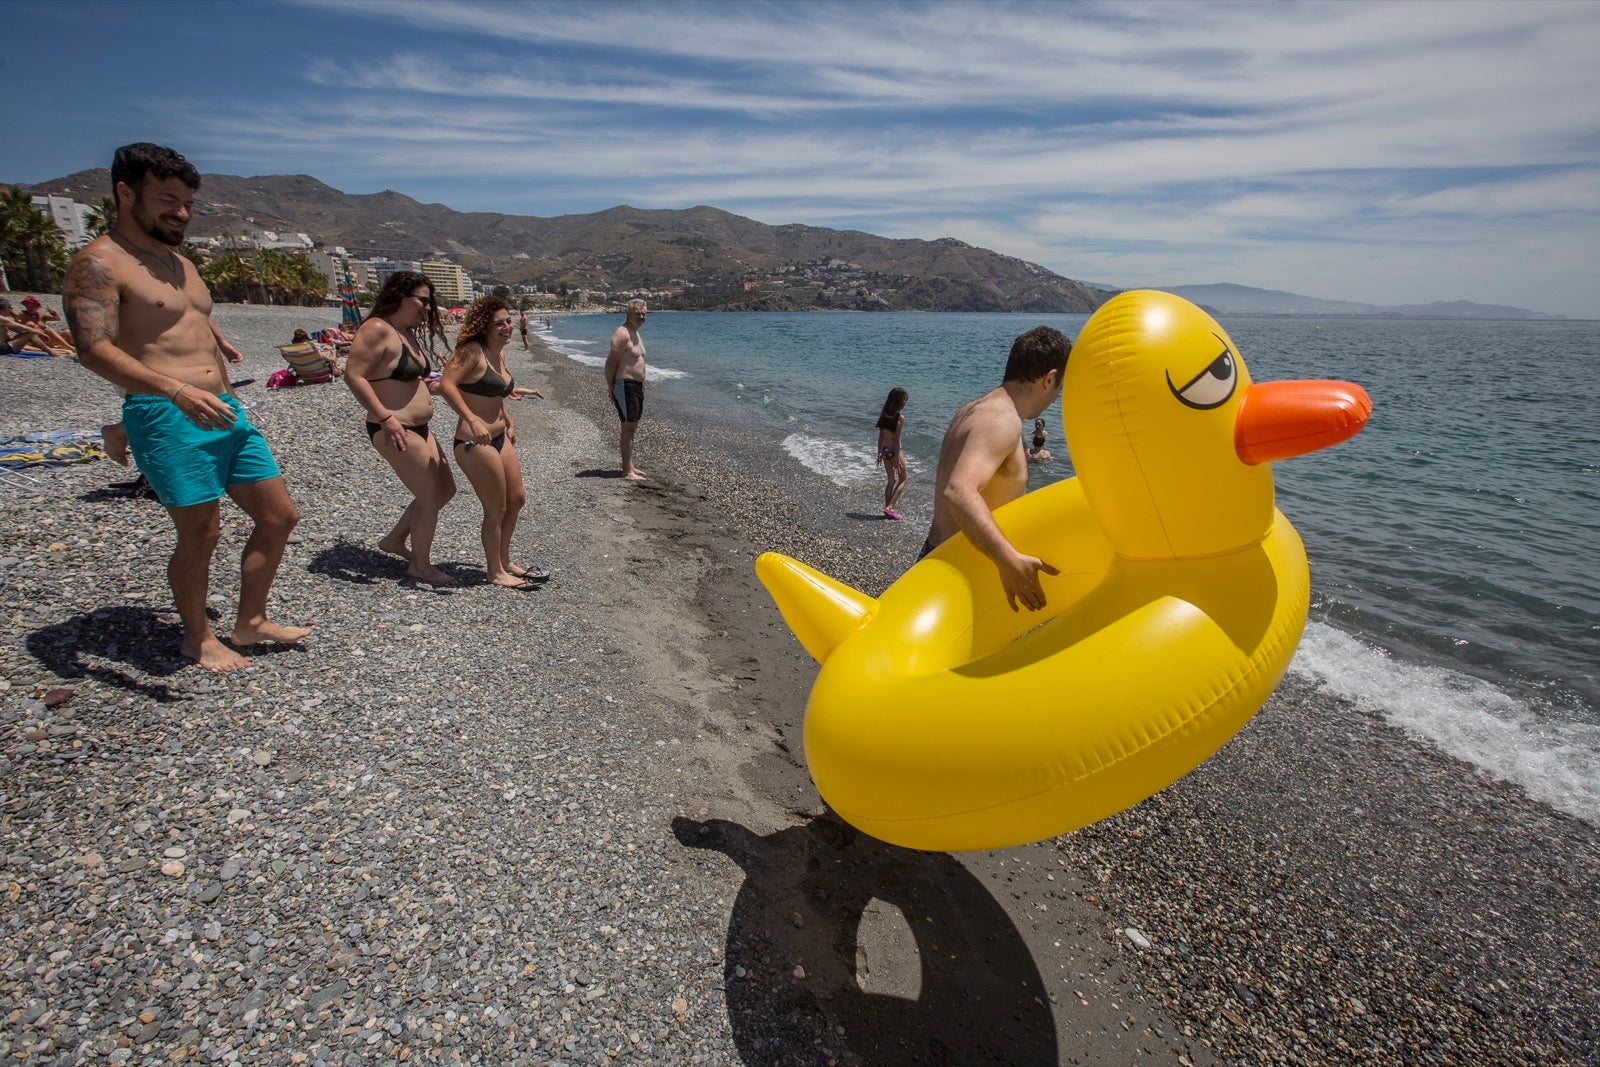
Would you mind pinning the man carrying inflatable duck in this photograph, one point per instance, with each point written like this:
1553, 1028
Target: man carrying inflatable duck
983, 465
943, 718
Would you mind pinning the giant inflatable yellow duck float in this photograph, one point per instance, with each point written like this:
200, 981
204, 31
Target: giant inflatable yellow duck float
941, 719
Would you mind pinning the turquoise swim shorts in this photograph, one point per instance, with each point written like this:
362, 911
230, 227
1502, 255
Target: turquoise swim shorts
188, 464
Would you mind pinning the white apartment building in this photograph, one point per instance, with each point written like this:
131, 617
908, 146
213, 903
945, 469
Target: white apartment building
70, 217
372, 273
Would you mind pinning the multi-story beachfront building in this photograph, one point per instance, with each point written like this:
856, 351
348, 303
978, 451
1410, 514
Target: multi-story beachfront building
331, 264
370, 274
253, 239
69, 216
451, 286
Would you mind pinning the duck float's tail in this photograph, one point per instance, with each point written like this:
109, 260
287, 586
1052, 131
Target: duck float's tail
821, 611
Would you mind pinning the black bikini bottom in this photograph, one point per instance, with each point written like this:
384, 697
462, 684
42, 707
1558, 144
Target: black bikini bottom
499, 439
373, 428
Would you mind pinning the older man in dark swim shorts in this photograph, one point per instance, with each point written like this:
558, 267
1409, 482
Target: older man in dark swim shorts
625, 382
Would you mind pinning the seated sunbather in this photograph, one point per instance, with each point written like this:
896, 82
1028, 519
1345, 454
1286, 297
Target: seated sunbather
17, 335
35, 315
336, 337
321, 342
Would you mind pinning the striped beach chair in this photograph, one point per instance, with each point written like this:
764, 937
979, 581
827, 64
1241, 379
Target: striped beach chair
307, 362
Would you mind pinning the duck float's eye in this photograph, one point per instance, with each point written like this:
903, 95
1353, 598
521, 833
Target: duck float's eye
1211, 387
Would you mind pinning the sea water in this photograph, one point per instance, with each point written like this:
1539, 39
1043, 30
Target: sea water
1453, 543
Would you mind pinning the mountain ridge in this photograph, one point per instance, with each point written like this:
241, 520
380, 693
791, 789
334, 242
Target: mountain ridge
733, 262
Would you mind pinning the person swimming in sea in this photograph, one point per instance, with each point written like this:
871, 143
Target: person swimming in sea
891, 421
1037, 453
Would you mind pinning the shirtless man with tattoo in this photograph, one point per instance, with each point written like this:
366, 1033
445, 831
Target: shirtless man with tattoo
141, 318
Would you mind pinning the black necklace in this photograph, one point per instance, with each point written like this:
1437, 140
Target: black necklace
170, 266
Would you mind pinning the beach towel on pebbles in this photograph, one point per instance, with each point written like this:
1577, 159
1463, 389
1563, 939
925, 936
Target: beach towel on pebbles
51, 448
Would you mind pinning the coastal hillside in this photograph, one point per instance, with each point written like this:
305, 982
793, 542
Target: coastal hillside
722, 259
1231, 299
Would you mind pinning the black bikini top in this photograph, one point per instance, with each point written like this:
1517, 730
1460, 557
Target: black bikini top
491, 384
407, 368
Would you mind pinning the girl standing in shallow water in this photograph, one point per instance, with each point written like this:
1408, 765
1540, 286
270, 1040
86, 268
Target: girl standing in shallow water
890, 423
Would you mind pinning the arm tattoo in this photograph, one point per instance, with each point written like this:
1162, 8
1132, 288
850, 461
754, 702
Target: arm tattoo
88, 296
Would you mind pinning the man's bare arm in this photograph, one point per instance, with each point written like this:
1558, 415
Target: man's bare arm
619, 345
229, 352
222, 368
90, 298
991, 440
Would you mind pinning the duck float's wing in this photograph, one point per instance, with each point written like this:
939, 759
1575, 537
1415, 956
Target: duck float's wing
821, 611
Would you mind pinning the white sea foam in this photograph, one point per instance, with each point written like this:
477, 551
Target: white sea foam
847, 465
577, 350
585, 352
1556, 762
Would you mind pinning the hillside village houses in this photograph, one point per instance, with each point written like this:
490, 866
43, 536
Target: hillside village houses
452, 284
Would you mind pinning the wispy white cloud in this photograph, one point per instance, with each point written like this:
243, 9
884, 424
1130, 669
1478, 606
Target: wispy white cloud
1301, 146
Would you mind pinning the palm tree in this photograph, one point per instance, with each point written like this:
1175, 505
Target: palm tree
15, 206
228, 276
31, 245
102, 216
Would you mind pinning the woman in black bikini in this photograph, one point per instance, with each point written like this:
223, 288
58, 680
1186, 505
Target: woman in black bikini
891, 422
477, 385
388, 371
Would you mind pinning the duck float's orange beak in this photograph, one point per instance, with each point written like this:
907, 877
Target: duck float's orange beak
1282, 419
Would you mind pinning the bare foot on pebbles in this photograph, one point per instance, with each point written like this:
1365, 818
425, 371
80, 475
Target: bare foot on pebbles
213, 655
395, 546
265, 632
431, 575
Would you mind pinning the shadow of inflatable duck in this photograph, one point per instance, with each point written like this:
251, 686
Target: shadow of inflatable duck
817, 965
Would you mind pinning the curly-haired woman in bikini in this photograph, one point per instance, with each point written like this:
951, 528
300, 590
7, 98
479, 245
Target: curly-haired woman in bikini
477, 385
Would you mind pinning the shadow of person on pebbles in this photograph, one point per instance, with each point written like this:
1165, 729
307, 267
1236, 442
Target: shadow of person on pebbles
357, 564
898, 956
597, 473
137, 489
119, 646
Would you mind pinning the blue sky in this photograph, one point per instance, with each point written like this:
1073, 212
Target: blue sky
1387, 153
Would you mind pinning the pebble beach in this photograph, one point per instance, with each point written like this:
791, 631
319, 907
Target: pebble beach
572, 825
